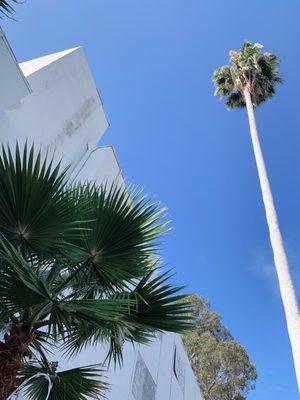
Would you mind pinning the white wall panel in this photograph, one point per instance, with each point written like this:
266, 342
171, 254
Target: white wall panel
14, 85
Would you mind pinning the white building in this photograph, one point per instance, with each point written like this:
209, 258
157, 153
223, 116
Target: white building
53, 101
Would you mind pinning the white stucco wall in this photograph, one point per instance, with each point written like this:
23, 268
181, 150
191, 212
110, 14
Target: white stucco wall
63, 113
132, 383
53, 101
99, 165
12, 82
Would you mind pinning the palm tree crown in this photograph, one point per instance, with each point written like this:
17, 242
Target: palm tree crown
77, 267
250, 69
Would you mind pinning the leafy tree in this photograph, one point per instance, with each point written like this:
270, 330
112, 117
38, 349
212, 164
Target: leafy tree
248, 81
221, 365
77, 268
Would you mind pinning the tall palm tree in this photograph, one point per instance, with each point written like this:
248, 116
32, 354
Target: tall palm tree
77, 267
248, 81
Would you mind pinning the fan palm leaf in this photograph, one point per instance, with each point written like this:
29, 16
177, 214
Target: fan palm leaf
121, 233
36, 208
20, 284
6, 7
77, 268
153, 305
74, 384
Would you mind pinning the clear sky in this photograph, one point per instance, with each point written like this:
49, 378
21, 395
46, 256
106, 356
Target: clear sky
152, 62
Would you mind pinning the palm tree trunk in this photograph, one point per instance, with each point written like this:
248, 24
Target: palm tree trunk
287, 290
13, 351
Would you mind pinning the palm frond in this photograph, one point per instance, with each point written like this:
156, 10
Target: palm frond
122, 230
73, 384
224, 82
235, 100
159, 305
36, 209
112, 334
66, 316
20, 285
6, 8
153, 305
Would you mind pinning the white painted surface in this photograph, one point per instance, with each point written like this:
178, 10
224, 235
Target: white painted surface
64, 113
13, 84
31, 66
100, 165
159, 359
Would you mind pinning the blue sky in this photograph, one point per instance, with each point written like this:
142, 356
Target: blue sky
152, 62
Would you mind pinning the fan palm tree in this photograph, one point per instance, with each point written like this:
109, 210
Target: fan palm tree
77, 267
248, 81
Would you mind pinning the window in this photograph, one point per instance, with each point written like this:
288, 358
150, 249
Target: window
178, 368
143, 387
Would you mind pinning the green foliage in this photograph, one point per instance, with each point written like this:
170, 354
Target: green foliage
35, 206
251, 70
221, 365
72, 384
78, 265
6, 8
